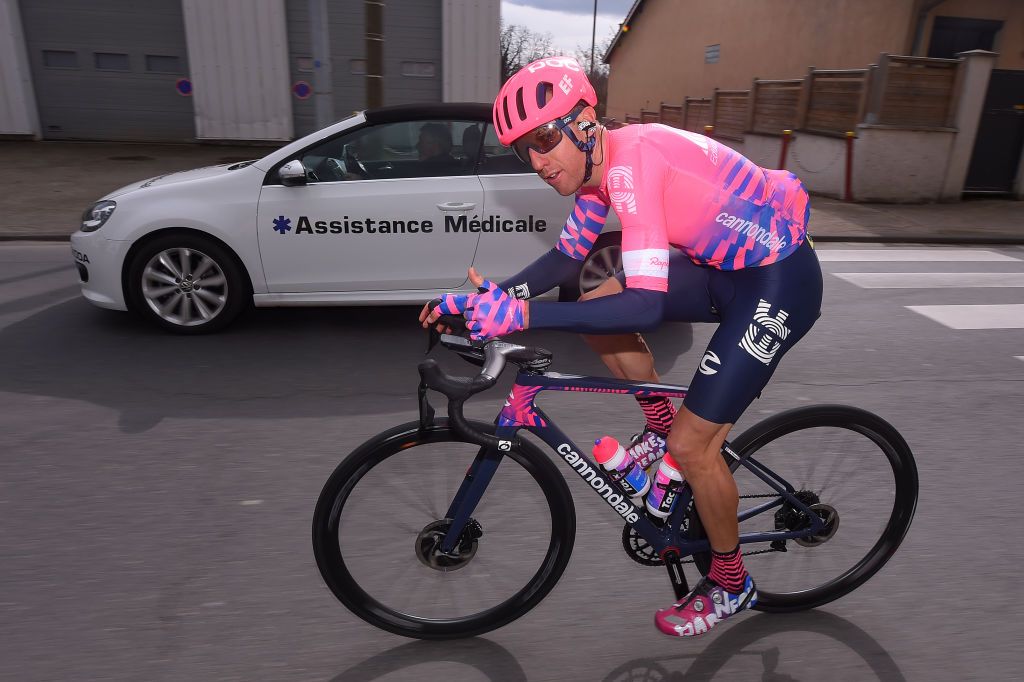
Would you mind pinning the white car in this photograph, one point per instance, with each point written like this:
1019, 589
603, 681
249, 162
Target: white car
359, 213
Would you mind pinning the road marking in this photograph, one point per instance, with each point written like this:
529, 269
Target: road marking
932, 280
1010, 316
912, 255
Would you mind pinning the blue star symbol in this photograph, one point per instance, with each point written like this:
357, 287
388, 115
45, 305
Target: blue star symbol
282, 224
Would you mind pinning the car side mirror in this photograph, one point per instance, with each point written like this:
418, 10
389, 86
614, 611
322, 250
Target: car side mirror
292, 174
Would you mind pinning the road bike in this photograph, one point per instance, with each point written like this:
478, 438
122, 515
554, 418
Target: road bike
444, 528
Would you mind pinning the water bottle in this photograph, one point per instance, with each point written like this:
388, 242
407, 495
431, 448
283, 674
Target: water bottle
616, 461
665, 490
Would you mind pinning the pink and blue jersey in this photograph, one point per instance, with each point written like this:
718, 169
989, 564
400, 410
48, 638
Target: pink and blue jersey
671, 187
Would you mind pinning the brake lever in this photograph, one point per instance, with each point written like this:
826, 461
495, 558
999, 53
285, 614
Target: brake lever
457, 323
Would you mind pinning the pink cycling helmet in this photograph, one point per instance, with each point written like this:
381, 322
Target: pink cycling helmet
520, 106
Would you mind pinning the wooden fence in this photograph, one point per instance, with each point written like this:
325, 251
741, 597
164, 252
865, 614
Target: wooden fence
915, 91
776, 106
901, 91
671, 115
729, 113
835, 100
696, 113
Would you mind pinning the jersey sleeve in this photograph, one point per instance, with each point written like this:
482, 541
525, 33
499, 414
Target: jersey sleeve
583, 226
636, 187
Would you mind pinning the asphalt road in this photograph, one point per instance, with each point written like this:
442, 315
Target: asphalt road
156, 494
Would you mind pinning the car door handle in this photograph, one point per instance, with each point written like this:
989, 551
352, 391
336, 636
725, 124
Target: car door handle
456, 206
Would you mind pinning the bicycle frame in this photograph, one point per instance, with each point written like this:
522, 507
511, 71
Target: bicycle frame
674, 535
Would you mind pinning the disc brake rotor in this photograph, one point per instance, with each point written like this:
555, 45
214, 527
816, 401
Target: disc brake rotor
428, 545
830, 517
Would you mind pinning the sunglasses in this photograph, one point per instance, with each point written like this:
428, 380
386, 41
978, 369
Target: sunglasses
545, 138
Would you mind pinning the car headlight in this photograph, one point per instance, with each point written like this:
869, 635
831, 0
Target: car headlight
97, 214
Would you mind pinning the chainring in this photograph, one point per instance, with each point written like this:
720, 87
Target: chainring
638, 549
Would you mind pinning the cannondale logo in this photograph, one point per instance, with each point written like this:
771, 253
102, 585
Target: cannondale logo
620, 189
706, 362
565, 85
762, 340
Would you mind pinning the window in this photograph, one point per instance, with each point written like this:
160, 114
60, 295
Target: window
408, 149
498, 159
952, 35
418, 69
111, 61
60, 59
711, 53
158, 63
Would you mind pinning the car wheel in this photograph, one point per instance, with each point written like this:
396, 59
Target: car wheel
187, 284
603, 261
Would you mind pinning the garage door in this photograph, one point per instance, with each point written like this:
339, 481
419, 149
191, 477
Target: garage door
109, 71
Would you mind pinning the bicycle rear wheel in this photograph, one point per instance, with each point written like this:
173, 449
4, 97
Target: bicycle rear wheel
382, 512
855, 470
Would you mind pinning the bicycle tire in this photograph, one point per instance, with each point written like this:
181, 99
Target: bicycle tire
337, 576
905, 480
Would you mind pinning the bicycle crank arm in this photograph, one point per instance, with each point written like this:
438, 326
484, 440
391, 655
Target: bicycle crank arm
675, 573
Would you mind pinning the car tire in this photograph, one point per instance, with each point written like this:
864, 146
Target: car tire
187, 284
603, 261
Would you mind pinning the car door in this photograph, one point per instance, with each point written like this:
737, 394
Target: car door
381, 210
525, 214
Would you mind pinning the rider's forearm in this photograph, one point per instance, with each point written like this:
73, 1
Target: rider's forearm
633, 310
552, 269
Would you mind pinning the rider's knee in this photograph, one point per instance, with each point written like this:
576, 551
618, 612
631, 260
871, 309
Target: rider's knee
691, 453
607, 288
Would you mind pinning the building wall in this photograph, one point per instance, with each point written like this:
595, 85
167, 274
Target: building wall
238, 53
889, 165
412, 55
17, 99
108, 71
471, 60
661, 58
900, 165
1010, 40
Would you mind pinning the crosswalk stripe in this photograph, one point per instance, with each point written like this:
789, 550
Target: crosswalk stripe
1009, 316
932, 280
912, 255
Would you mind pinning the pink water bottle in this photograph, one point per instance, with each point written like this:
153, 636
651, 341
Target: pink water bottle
613, 458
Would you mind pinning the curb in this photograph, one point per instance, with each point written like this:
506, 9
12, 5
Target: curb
859, 239
35, 237
981, 240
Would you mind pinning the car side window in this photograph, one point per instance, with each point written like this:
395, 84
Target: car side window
498, 159
406, 149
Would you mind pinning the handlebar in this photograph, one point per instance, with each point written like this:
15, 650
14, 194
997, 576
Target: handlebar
493, 356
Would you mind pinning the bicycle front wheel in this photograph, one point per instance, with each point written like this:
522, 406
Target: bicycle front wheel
381, 515
855, 471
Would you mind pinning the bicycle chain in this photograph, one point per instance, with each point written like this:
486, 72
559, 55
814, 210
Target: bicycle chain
646, 559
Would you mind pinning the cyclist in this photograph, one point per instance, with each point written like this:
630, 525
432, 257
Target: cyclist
707, 236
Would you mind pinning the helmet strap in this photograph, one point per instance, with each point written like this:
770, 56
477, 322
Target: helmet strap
587, 148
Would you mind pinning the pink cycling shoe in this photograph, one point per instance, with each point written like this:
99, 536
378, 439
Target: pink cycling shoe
707, 605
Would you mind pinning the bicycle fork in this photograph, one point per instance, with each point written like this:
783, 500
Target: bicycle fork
478, 476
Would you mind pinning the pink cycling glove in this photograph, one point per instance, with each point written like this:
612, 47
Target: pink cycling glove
453, 304
493, 312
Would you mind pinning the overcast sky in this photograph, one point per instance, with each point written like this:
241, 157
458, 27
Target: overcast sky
568, 21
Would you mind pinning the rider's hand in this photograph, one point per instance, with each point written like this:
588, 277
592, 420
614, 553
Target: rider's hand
492, 312
451, 304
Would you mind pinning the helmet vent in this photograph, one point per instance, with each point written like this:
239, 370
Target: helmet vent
545, 91
520, 107
504, 107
